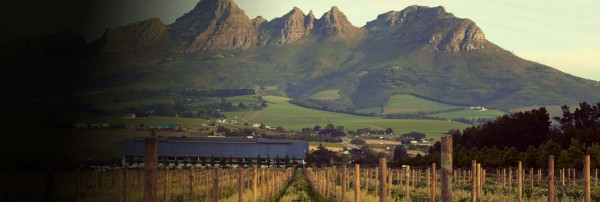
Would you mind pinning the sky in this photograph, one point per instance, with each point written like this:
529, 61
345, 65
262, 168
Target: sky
562, 34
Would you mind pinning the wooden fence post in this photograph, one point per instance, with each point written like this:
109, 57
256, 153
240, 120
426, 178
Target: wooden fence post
125, 184
344, 170
407, 193
356, 182
254, 182
480, 181
474, 179
446, 169
241, 184
551, 178
520, 182
510, 181
167, 184
215, 188
382, 180
586, 176
433, 181
151, 165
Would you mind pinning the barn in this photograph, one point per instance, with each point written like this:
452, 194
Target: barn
190, 149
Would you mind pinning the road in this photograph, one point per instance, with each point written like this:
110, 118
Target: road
346, 142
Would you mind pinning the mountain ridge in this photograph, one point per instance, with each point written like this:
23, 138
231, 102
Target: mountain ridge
419, 50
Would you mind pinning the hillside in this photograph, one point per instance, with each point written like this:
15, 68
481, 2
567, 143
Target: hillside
281, 113
425, 51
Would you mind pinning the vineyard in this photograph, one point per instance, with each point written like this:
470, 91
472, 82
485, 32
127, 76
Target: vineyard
324, 183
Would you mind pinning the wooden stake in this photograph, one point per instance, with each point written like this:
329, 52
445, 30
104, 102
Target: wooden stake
520, 182
344, 172
586, 176
407, 193
150, 169
433, 181
474, 179
167, 196
551, 178
254, 182
446, 169
382, 177
356, 183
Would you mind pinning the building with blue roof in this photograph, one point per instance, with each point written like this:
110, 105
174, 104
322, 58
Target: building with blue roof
189, 149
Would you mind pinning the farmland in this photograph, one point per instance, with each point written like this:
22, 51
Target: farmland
281, 113
326, 95
402, 103
470, 114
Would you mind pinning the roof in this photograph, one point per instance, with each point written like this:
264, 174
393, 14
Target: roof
219, 147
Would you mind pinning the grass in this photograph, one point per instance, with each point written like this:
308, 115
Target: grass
327, 95
281, 113
470, 114
403, 103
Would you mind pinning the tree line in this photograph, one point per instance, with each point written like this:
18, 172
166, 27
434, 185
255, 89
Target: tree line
528, 137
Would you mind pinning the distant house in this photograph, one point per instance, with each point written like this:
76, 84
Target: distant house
195, 149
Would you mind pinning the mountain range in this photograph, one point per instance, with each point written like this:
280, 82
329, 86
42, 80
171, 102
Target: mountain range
424, 51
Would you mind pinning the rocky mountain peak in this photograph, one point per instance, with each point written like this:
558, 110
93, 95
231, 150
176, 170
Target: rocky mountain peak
441, 30
213, 24
334, 22
134, 38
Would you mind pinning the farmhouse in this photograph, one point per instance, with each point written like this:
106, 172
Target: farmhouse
189, 149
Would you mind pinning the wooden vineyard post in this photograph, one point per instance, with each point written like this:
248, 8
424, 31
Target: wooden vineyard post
427, 178
150, 169
125, 185
215, 184
596, 177
480, 181
446, 169
551, 178
382, 180
509, 181
520, 182
503, 177
377, 180
474, 179
167, 184
191, 185
344, 170
356, 182
241, 184
407, 193
531, 177
562, 176
254, 182
433, 181
586, 176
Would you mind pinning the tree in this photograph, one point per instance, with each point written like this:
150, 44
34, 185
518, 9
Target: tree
317, 128
258, 161
268, 161
358, 141
389, 131
400, 153
286, 161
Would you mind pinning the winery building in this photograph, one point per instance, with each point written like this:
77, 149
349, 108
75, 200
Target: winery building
195, 149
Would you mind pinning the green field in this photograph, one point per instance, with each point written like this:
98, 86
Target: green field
327, 95
281, 113
402, 103
470, 114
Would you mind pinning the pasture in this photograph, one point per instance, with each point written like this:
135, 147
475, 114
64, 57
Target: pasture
403, 103
282, 113
470, 114
327, 95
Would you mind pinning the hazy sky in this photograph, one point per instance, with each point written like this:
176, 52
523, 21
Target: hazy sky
562, 34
